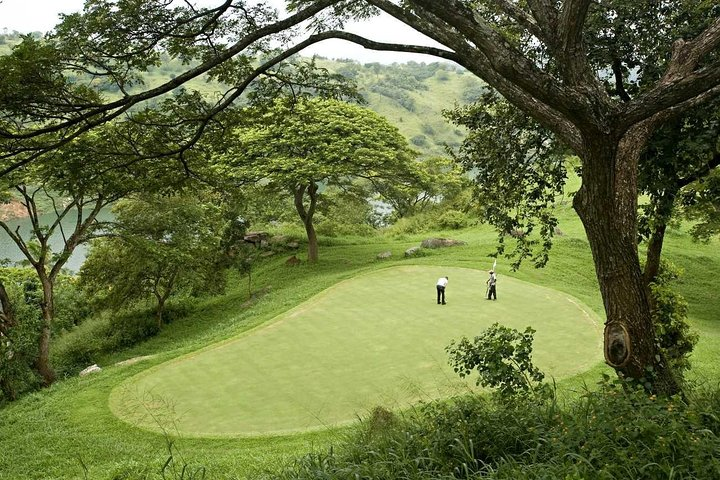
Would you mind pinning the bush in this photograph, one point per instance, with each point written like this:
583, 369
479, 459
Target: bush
107, 333
452, 220
72, 305
610, 433
675, 338
422, 222
19, 346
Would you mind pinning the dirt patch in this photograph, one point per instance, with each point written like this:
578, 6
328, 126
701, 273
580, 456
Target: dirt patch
12, 209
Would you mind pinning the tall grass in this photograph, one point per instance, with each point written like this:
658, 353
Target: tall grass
605, 434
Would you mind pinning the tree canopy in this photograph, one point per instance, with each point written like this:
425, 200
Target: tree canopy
304, 146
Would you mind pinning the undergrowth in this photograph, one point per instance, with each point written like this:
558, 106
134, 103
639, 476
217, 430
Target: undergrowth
608, 433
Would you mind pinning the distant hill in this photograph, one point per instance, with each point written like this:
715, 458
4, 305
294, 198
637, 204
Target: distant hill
410, 95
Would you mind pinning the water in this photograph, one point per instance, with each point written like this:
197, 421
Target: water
9, 250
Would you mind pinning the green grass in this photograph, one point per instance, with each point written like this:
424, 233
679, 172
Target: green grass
44, 435
376, 339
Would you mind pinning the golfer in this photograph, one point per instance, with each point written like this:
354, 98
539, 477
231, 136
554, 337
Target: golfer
491, 293
440, 286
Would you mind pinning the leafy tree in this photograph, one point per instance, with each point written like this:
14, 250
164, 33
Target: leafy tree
438, 179
158, 246
519, 170
302, 146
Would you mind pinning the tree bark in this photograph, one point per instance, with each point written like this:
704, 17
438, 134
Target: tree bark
306, 215
42, 362
607, 206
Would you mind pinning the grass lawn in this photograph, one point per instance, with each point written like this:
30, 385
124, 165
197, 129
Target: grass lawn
52, 433
376, 339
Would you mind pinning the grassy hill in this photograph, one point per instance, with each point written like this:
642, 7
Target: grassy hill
53, 433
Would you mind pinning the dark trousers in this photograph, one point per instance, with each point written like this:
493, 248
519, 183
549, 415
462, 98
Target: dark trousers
492, 293
440, 294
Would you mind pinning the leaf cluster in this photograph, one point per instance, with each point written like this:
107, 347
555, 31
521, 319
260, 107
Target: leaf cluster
502, 357
518, 168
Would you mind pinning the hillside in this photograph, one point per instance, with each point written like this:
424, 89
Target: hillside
410, 95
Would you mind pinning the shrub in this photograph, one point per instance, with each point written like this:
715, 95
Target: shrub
672, 330
109, 332
452, 220
422, 222
419, 140
609, 433
502, 357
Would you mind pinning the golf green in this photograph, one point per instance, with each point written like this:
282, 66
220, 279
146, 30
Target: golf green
376, 339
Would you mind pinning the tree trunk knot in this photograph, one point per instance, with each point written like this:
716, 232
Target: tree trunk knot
617, 345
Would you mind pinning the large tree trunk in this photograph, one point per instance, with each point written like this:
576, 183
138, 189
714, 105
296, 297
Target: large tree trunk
306, 215
607, 206
47, 306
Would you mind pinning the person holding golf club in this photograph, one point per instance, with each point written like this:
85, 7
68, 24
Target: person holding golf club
491, 281
440, 287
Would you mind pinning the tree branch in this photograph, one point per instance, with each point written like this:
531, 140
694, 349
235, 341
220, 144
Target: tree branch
522, 18
176, 82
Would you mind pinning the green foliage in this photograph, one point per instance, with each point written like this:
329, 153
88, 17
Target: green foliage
611, 433
108, 332
518, 170
438, 182
502, 357
672, 331
304, 146
159, 246
18, 349
72, 306
453, 220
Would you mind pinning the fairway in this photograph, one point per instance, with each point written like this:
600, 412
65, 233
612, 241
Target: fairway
376, 339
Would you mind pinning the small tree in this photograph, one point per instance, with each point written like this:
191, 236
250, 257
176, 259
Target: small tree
160, 245
502, 357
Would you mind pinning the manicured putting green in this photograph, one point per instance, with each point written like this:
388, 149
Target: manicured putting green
376, 339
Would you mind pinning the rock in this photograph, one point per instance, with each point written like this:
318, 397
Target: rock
384, 255
412, 252
279, 240
268, 253
259, 239
292, 261
440, 243
91, 369
293, 245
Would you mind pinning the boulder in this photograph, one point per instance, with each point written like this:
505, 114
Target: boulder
259, 239
412, 252
279, 240
91, 369
440, 243
384, 255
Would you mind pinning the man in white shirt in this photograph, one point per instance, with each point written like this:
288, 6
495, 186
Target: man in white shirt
491, 293
441, 284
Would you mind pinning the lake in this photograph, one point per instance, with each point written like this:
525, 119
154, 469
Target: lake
10, 251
